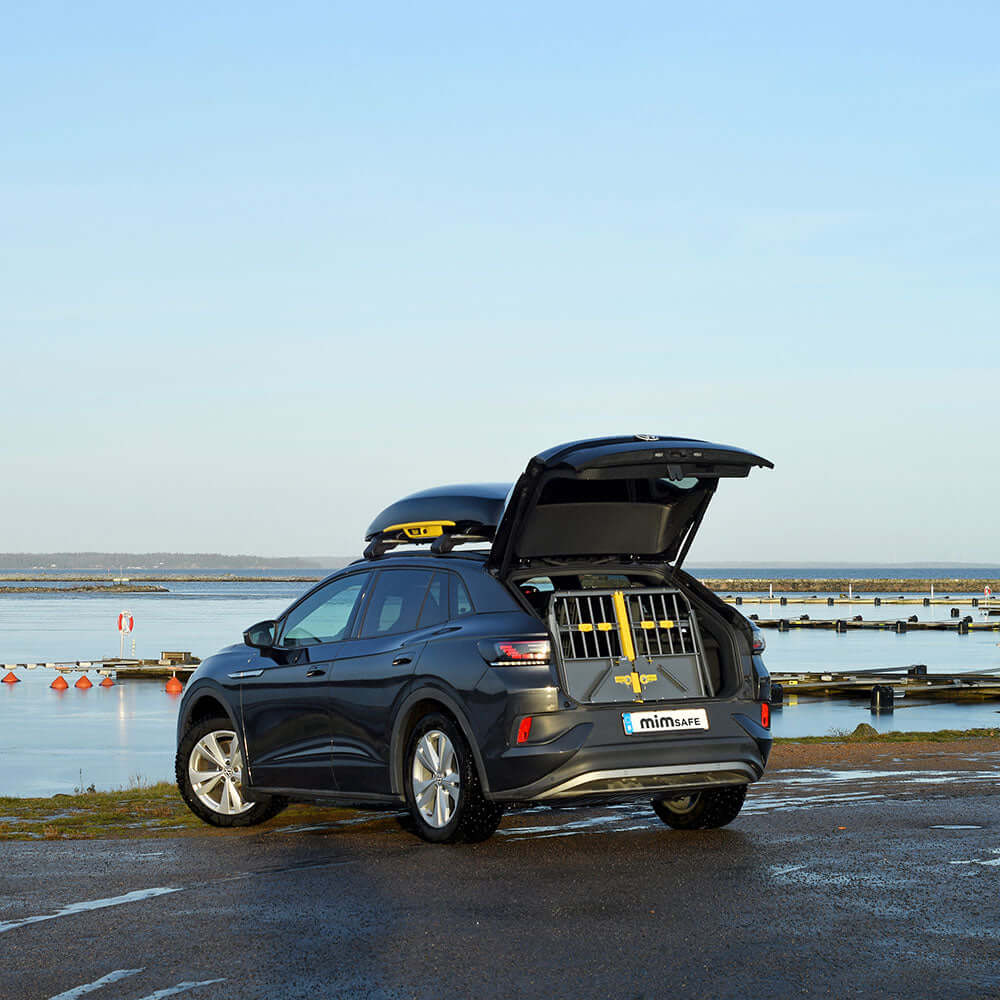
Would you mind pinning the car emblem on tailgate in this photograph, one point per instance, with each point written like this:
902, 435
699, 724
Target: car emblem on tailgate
647, 437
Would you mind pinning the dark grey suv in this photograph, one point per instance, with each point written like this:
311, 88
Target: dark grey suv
497, 645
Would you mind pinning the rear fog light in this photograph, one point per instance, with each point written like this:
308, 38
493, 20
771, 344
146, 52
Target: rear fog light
524, 730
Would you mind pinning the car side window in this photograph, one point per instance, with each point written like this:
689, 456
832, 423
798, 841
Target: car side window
435, 609
396, 602
461, 603
324, 615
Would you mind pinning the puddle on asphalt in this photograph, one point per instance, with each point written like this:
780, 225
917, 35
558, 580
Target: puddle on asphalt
336, 824
819, 776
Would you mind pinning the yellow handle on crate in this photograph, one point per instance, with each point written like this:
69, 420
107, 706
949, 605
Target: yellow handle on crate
624, 626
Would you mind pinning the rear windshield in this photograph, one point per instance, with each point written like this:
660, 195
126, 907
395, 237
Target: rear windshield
589, 581
538, 590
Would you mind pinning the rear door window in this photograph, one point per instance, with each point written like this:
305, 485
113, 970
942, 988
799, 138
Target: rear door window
396, 602
435, 609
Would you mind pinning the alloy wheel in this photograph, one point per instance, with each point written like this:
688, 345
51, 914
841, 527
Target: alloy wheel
215, 769
435, 777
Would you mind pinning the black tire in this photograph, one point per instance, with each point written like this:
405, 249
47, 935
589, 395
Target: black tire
259, 812
706, 809
474, 818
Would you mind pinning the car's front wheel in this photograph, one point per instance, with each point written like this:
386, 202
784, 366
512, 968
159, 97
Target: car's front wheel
209, 768
442, 786
706, 809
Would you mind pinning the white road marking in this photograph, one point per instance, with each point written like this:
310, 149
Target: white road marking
785, 869
141, 894
92, 904
111, 977
179, 988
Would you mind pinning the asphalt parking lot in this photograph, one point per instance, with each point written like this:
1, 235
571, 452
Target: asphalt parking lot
830, 884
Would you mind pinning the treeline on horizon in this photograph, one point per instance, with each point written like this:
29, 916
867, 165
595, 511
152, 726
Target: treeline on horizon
158, 560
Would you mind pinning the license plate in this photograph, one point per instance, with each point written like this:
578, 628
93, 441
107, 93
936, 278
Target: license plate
667, 721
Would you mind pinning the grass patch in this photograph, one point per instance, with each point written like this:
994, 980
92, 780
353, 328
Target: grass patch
145, 811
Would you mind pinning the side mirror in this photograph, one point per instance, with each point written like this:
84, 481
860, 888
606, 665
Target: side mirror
262, 635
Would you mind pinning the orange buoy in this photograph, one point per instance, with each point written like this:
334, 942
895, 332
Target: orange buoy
107, 682
83, 683
174, 686
11, 678
60, 683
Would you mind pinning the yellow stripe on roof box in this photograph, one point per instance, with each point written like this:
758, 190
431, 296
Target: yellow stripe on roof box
421, 529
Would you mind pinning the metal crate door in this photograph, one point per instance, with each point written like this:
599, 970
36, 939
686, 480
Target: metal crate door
628, 646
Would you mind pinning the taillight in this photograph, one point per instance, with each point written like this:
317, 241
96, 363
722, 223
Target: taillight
759, 645
765, 715
524, 730
513, 652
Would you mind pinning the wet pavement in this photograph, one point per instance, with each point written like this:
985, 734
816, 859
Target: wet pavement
833, 882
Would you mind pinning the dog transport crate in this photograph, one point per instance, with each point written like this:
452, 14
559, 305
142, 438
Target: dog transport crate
628, 645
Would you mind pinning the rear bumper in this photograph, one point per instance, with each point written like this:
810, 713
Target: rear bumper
594, 759
635, 782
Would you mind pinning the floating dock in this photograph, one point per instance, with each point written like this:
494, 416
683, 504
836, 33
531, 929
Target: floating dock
170, 664
888, 684
961, 626
875, 600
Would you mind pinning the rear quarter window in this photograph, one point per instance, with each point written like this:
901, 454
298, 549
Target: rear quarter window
461, 603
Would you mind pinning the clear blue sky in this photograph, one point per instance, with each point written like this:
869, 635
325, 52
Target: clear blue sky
265, 268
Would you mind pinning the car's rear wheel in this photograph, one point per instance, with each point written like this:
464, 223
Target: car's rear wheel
209, 769
442, 785
706, 809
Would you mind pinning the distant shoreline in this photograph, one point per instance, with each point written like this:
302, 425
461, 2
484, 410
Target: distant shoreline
93, 588
735, 585
70, 577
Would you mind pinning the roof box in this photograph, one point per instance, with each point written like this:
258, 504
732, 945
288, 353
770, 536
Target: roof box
465, 512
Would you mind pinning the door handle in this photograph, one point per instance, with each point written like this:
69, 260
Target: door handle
315, 672
401, 660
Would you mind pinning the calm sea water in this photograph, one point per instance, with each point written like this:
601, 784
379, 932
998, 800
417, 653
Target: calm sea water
51, 742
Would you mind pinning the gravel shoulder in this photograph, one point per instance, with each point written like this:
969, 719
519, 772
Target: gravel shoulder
927, 754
